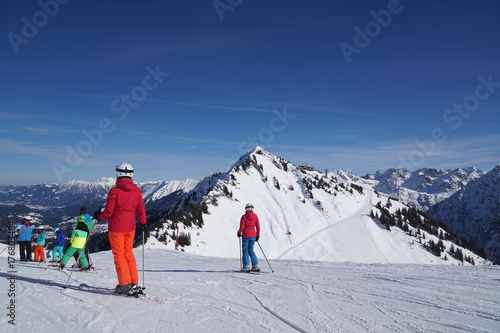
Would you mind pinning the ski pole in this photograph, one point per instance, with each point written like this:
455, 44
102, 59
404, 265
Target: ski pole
143, 284
272, 271
52, 263
240, 249
77, 260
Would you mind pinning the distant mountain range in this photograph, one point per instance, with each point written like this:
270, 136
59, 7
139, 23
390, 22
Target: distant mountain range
474, 212
393, 216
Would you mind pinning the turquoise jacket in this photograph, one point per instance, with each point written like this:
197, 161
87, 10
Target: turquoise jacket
40, 239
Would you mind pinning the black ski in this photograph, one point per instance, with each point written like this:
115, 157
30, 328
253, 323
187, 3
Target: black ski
108, 291
70, 269
250, 272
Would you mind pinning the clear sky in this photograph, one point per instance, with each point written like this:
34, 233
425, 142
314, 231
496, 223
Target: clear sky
182, 89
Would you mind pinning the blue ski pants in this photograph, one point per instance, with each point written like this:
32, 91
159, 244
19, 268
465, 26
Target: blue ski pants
247, 251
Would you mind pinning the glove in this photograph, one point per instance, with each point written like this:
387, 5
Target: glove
97, 212
144, 227
239, 235
257, 238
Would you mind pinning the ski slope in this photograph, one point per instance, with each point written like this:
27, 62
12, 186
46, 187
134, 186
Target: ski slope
190, 293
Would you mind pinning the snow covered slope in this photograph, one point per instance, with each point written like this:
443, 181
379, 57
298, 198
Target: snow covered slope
304, 214
189, 293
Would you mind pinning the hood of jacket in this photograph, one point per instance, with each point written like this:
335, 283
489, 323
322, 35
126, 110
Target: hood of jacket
125, 184
250, 215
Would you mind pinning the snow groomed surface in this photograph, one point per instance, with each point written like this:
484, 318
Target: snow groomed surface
189, 293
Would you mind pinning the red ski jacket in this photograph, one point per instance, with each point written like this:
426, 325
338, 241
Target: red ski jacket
249, 225
122, 203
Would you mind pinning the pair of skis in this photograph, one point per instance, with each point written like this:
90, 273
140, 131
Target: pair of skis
138, 292
241, 258
251, 272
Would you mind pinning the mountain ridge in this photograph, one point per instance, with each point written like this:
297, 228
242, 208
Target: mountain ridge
294, 201
298, 204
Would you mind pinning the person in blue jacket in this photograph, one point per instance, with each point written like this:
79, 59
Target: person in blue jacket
57, 250
23, 231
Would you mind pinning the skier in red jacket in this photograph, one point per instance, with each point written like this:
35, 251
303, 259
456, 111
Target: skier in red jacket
250, 233
122, 204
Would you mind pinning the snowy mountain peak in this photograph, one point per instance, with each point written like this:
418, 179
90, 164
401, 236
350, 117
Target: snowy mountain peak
304, 214
473, 212
424, 187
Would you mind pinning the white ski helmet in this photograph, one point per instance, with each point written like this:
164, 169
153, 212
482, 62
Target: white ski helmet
27, 217
124, 170
249, 206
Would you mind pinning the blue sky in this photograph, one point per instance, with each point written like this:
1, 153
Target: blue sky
181, 89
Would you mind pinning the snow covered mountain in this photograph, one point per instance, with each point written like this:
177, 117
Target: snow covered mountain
57, 204
352, 218
56, 195
474, 212
423, 188
77, 192
305, 214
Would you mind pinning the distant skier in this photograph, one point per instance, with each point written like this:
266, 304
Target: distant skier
23, 231
250, 233
57, 250
40, 246
122, 204
78, 240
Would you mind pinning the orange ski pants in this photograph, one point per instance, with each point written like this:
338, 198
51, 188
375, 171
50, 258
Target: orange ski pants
39, 253
122, 244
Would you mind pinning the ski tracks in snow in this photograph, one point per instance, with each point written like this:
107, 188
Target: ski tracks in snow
198, 294
362, 210
276, 315
314, 311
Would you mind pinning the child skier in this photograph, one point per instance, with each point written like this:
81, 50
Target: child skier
40, 245
57, 251
87, 219
249, 232
78, 240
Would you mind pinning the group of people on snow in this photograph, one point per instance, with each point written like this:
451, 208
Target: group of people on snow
124, 204
24, 232
25, 237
